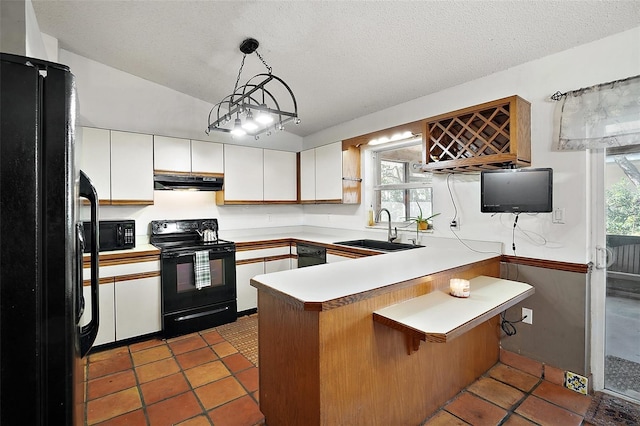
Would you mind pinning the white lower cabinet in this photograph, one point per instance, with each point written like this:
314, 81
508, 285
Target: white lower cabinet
277, 265
333, 258
247, 295
137, 306
106, 308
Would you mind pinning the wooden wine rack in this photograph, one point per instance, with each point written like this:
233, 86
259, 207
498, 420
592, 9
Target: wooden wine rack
489, 136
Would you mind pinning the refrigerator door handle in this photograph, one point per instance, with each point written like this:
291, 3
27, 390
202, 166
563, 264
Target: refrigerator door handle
89, 332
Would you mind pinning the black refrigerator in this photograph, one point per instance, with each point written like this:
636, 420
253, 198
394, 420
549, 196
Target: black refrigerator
42, 344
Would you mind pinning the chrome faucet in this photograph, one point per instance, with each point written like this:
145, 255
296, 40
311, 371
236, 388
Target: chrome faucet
390, 235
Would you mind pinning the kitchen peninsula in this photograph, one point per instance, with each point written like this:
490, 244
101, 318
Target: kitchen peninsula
324, 360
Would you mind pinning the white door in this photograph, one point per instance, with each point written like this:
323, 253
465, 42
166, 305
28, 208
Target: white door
280, 176
131, 167
243, 173
329, 172
171, 154
308, 175
95, 154
247, 295
615, 279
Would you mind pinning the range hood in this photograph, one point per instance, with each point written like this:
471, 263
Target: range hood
187, 182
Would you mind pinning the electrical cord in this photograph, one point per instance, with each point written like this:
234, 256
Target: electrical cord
513, 234
508, 326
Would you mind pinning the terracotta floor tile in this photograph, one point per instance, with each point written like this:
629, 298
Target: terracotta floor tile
105, 385
174, 410
187, 345
219, 392
522, 363
113, 405
156, 370
184, 336
197, 357
249, 379
146, 344
202, 420
150, 355
256, 396
516, 420
516, 378
504, 396
224, 349
206, 373
212, 337
237, 362
133, 418
164, 388
563, 397
476, 411
108, 366
443, 418
107, 354
554, 375
240, 412
543, 412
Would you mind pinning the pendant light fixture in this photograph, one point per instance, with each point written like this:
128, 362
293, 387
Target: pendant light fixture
256, 101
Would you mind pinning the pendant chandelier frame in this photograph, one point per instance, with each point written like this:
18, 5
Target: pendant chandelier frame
254, 96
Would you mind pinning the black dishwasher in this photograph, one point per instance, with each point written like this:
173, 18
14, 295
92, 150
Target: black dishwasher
309, 255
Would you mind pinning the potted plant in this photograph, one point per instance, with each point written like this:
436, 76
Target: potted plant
422, 223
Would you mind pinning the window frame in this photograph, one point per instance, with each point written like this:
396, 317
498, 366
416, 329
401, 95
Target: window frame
407, 186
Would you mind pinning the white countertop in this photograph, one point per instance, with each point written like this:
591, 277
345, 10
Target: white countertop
440, 317
323, 283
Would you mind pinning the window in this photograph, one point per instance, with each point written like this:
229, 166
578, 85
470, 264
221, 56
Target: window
399, 187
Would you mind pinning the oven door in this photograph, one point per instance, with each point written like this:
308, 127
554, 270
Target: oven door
179, 290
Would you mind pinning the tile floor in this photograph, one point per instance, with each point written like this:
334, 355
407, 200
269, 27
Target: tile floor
196, 379
201, 379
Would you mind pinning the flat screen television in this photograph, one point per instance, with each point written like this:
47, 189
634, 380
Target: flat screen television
516, 191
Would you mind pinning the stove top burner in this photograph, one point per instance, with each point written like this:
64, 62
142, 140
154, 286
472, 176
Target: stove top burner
187, 234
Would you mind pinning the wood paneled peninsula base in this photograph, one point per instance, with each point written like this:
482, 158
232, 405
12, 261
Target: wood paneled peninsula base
325, 361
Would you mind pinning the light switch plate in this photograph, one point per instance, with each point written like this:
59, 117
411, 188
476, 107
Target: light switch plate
558, 215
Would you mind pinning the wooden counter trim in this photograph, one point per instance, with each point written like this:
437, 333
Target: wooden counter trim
131, 202
129, 277
265, 259
547, 264
352, 298
348, 253
124, 258
263, 244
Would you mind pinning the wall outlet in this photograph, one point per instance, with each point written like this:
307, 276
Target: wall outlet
527, 316
455, 224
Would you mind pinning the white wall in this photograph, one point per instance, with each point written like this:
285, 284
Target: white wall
609, 59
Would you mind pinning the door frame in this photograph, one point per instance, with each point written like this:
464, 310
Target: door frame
597, 239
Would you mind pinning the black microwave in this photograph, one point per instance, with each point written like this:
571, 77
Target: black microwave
114, 235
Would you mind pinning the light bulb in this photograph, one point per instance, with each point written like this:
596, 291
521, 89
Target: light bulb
264, 117
237, 128
250, 124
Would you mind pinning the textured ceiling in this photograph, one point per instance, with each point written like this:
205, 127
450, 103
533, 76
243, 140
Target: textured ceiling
342, 59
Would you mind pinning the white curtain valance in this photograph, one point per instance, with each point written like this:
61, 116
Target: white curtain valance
602, 116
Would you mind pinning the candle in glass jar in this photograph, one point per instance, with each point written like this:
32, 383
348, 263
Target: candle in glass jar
459, 287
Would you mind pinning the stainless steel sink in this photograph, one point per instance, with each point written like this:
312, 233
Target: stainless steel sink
377, 245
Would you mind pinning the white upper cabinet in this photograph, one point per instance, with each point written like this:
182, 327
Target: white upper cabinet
243, 174
207, 157
256, 175
171, 154
131, 168
321, 174
95, 160
119, 164
329, 172
308, 175
280, 176
187, 156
